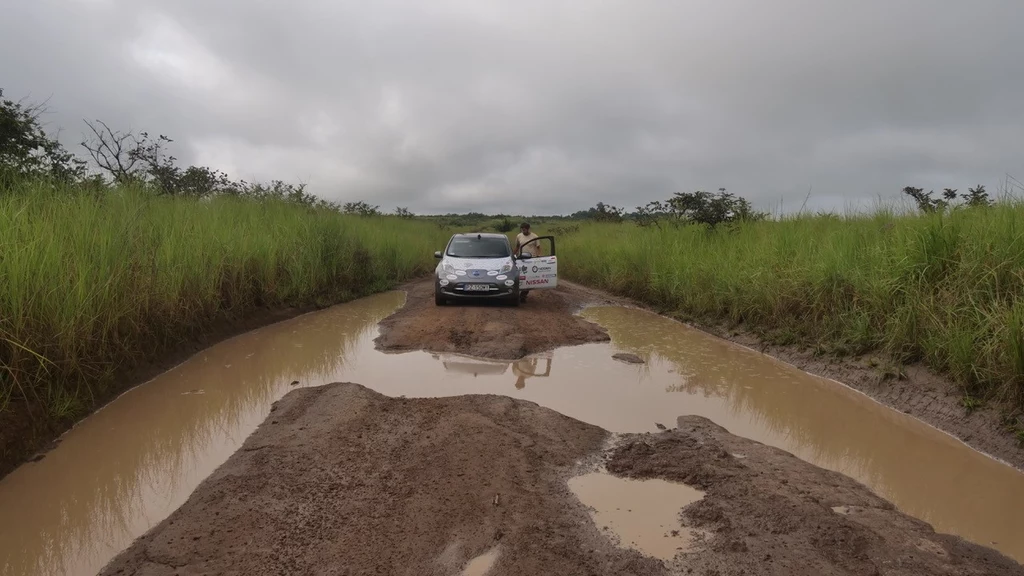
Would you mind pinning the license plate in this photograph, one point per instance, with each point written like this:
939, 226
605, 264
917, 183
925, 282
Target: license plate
477, 287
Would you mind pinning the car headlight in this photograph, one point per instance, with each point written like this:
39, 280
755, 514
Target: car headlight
506, 268
448, 268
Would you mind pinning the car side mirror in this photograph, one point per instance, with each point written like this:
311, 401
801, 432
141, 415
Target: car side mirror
437, 254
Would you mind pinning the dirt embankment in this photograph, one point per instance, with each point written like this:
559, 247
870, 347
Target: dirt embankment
343, 480
490, 329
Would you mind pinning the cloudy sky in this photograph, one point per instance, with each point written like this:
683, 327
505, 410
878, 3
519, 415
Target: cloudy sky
544, 106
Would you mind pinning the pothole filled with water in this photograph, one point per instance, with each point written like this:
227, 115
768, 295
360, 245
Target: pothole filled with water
482, 564
640, 514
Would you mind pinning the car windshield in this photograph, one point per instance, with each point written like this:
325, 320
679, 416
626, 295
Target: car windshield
483, 247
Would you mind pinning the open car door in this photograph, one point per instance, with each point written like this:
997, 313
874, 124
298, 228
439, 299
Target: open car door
538, 272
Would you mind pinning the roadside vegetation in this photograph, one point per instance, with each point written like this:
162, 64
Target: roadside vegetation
103, 272
942, 284
937, 280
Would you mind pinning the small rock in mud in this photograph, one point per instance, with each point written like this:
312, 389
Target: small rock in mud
628, 358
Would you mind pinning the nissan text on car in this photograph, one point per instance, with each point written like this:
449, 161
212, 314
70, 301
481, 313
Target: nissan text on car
483, 266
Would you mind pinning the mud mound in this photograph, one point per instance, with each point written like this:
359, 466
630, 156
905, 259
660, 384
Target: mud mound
489, 329
772, 513
342, 480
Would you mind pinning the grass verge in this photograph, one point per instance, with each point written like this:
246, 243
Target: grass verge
945, 290
94, 286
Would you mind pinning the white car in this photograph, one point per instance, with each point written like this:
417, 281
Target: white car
483, 265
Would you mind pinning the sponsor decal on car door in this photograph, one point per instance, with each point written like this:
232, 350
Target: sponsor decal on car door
540, 272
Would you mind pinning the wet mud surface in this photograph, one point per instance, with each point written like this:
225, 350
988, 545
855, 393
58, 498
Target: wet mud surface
343, 480
489, 329
769, 512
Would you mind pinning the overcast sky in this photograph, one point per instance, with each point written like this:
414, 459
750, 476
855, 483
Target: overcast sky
544, 106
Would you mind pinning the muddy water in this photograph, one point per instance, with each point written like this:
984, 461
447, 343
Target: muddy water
482, 564
642, 514
131, 464
128, 466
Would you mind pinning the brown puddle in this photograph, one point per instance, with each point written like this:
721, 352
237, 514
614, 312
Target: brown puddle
480, 565
643, 514
128, 466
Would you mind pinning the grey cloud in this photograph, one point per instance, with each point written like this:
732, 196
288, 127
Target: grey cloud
546, 106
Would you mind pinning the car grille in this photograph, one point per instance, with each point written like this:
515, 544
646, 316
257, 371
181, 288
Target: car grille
476, 277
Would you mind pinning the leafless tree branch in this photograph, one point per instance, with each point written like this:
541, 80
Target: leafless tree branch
113, 151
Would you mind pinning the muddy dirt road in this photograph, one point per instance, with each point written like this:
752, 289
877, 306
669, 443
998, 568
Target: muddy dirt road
343, 480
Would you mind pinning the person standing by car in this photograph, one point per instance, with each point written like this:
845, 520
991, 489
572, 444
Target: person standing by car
525, 236
533, 249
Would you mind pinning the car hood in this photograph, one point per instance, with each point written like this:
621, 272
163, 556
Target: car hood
477, 263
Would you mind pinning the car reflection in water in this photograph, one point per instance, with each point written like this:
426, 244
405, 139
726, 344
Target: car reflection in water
529, 367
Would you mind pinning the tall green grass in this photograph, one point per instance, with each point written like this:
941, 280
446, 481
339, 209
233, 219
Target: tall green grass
945, 289
91, 284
